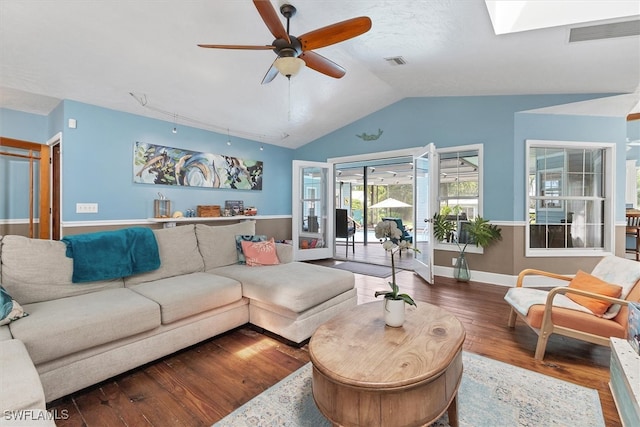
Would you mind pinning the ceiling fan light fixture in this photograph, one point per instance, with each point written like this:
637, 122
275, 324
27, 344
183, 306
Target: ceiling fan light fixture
288, 65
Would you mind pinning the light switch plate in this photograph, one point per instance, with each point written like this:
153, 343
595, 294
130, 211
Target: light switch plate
86, 208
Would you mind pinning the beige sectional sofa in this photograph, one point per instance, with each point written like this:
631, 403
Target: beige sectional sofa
78, 334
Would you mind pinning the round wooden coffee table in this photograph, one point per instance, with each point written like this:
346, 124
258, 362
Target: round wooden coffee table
368, 374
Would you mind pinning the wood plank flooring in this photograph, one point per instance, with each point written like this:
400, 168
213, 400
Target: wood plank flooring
200, 385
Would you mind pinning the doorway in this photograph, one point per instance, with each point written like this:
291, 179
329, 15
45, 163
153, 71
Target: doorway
33, 158
55, 145
371, 190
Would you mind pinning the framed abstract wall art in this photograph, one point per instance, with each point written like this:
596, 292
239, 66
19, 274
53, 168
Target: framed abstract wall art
157, 164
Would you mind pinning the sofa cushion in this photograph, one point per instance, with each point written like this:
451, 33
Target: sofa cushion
217, 243
20, 386
260, 253
64, 326
586, 282
35, 270
179, 254
10, 310
246, 238
297, 286
585, 322
187, 295
619, 271
5, 333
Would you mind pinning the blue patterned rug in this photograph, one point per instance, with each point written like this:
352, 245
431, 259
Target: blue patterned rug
491, 394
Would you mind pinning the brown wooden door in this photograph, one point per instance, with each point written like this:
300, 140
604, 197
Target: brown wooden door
55, 192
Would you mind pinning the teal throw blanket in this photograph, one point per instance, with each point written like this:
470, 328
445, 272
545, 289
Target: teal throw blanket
112, 254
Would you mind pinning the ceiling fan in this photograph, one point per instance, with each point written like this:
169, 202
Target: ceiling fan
295, 52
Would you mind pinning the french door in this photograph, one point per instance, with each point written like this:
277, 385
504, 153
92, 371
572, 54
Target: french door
424, 182
312, 210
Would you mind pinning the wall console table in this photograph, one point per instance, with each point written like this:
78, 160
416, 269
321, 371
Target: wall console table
172, 222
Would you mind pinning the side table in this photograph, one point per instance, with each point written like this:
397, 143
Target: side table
368, 374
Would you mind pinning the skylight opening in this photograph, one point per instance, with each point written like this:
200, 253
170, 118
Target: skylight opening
511, 16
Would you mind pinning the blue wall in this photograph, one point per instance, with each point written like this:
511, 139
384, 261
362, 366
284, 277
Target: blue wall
97, 156
456, 121
24, 126
98, 164
14, 172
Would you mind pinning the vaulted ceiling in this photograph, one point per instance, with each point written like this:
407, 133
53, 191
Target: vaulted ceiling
142, 57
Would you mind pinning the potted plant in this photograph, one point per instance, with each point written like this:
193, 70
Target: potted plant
394, 301
478, 231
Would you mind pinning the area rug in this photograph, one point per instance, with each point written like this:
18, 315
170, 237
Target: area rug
491, 394
364, 268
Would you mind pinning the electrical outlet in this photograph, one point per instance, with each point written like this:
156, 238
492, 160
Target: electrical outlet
453, 261
86, 208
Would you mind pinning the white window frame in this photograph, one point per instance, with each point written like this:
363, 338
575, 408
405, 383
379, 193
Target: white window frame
452, 247
609, 196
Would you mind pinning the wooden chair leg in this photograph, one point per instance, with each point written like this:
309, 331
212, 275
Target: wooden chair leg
541, 346
512, 318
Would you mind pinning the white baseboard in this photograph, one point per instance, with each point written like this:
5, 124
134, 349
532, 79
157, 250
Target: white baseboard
501, 279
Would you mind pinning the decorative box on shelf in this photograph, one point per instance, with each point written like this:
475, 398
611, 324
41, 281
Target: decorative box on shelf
250, 211
625, 381
236, 207
208, 210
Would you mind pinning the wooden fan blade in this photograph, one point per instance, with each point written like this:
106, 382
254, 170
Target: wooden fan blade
271, 74
271, 19
236, 46
322, 64
335, 33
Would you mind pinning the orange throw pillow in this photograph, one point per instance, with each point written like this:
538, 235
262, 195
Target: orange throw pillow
260, 253
587, 282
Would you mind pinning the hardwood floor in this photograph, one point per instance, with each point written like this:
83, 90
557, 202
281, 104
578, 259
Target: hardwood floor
373, 253
200, 385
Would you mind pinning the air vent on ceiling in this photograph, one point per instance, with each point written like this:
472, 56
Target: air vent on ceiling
605, 31
396, 60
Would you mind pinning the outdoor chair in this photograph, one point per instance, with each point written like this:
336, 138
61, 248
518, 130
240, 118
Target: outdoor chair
345, 229
405, 232
633, 231
555, 312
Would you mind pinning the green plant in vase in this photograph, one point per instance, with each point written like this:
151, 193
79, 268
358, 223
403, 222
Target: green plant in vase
478, 232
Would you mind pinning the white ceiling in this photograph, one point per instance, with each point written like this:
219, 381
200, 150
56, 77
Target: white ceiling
99, 51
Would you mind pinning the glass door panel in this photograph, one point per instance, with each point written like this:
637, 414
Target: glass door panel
312, 210
423, 182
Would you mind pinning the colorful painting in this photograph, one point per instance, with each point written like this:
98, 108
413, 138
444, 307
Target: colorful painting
156, 164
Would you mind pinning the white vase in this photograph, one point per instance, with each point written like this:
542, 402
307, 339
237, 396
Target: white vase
393, 312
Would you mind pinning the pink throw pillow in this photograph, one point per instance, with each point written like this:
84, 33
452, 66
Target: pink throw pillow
260, 253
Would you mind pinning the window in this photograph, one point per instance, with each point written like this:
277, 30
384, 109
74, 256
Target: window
637, 186
459, 189
569, 198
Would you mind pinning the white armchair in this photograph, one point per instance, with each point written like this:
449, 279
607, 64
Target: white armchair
552, 312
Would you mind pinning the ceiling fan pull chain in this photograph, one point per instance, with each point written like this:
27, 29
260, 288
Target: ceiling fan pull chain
289, 112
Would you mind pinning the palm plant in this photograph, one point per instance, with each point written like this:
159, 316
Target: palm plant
480, 231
